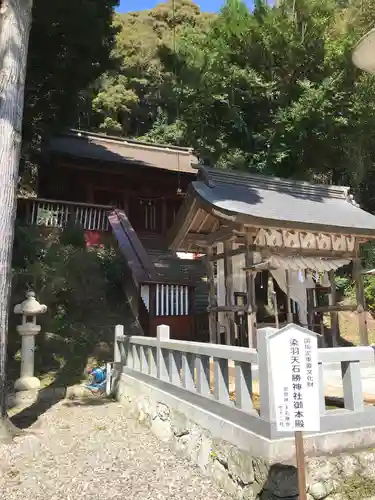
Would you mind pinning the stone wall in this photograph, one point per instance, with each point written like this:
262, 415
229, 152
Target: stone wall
238, 472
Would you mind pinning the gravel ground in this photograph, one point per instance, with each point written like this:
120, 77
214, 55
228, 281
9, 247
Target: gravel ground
80, 451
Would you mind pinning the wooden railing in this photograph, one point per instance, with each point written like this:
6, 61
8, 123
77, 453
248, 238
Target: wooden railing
168, 299
148, 298
57, 214
172, 300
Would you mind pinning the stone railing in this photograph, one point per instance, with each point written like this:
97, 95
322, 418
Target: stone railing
224, 375
212, 403
187, 365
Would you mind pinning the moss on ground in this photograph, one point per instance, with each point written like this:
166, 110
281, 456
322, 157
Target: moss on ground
356, 487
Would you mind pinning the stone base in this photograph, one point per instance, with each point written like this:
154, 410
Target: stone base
27, 384
24, 398
244, 473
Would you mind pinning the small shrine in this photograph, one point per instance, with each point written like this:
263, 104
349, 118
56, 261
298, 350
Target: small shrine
299, 234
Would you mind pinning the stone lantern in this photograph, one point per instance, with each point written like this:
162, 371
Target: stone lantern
29, 309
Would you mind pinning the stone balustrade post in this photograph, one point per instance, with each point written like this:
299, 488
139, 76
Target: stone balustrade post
162, 333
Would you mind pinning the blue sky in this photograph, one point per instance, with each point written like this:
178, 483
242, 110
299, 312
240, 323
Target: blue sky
205, 5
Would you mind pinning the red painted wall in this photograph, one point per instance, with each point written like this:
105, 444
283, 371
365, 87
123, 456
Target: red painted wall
181, 327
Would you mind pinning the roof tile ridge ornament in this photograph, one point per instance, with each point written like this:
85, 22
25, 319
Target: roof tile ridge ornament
204, 176
350, 198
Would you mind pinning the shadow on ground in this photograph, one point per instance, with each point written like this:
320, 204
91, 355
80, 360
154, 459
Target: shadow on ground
70, 375
30, 415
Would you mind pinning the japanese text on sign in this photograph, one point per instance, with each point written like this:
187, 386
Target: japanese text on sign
294, 369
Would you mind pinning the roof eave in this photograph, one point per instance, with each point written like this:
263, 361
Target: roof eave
249, 220
182, 223
195, 201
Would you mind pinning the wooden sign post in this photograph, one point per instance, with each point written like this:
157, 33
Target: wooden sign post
293, 354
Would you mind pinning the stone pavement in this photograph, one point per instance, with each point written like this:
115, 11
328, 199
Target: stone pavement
333, 383
90, 449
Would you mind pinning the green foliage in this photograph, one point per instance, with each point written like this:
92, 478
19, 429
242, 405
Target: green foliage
272, 90
369, 283
70, 44
343, 285
130, 98
81, 287
356, 487
73, 235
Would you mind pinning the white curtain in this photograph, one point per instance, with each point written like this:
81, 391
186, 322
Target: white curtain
297, 289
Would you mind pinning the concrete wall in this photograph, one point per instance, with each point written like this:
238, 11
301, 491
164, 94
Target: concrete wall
235, 457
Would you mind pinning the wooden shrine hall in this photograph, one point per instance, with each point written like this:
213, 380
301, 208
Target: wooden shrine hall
298, 233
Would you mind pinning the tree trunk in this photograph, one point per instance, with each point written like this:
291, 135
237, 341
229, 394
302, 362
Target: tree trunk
15, 26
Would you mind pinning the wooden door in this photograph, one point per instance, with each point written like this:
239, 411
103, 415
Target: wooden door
146, 214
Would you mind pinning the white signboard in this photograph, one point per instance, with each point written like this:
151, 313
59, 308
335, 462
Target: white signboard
295, 385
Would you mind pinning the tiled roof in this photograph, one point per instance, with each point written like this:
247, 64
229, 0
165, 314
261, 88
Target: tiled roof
280, 202
112, 149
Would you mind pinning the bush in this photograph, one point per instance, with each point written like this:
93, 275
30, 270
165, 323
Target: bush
81, 287
370, 293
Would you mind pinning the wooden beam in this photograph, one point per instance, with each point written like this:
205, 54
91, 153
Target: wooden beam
261, 266
164, 215
185, 217
361, 301
212, 299
203, 222
228, 280
301, 252
225, 233
232, 253
333, 314
250, 294
334, 308
232, 308
289, 306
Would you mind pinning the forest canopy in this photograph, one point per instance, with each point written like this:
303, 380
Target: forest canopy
272, 90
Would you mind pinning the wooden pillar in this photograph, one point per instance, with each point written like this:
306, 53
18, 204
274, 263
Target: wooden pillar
228, 280
126, 202
250, 292
212, 298
164, 215
334, 314
289, 315
90, 193
361, 301
310, 305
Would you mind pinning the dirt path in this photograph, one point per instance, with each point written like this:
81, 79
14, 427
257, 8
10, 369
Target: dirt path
84, 451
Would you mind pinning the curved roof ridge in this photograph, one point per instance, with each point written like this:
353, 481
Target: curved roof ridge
215, 177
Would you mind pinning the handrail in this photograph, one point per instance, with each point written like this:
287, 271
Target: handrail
346, 354
56, 214
64, 202
233, 353
136, 244
189, 365
137, 260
